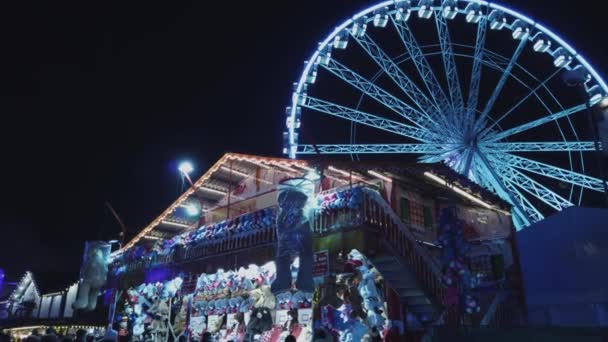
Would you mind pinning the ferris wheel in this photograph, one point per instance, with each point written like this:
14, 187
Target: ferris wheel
472, 84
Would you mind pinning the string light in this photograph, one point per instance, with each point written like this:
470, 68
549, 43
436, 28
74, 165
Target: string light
380, 176
463, 193
199, 183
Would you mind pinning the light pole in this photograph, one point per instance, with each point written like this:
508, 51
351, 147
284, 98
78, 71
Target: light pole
577, 78
185, 168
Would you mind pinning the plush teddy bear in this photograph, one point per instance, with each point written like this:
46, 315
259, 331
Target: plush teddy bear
263, 297
372, 301
284, 300
171, 287
234, 304
299, 300
93, 274
211, 307
259, 323
246, 305
222, 306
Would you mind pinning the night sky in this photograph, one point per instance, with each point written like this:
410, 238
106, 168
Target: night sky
99, 103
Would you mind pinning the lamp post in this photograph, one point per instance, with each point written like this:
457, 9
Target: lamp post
577, 78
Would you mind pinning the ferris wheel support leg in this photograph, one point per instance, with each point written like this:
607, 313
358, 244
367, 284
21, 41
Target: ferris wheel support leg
500, 188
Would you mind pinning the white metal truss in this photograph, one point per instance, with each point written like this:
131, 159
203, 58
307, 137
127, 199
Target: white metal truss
371, 148
545, 146
422, 65
392, 70
554, 172
366, 119
377, 93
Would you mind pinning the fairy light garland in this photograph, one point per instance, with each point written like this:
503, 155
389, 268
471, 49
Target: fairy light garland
260, 161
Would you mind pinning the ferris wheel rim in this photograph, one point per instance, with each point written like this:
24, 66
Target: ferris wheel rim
433, 128
388, 3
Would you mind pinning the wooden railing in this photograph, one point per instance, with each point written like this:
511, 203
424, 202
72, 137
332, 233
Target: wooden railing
210, 247
241, 241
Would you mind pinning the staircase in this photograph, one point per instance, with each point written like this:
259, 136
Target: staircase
403, 281
407, 267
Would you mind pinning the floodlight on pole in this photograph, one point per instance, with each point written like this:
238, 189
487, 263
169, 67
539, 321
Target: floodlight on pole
186, 168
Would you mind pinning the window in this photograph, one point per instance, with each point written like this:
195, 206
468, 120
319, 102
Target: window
428, 216
489, 267
404, 207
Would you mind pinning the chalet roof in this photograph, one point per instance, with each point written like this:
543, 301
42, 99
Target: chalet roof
215, 184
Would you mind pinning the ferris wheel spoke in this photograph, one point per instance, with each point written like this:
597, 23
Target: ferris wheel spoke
536, 123
505, 190
367, 119
375, 92
532, 213
551, 171
501, 83
476, 71
370, 148
422, 65
553, 146
532, 92
396, 74
451, 71
534, 188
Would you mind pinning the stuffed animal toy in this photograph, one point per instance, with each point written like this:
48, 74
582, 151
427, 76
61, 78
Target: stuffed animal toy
234, 304
259, 323
221, 306
372, 301
201, 306
341, 323
284, 300
263, 297
138, 326
217, 325
211, 308
202, 281
93, 274
294, 238
171, 287
160, 313
297, 300
247, 305
179, 324
308, 299
268, 272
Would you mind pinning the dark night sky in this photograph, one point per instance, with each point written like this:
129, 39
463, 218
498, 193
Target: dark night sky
99, 102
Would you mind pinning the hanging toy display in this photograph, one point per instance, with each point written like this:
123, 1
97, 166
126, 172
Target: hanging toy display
455, 272
294, 236
147, 309
346, 199
243, 225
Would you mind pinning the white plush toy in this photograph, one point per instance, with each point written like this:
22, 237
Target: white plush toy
368, 291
